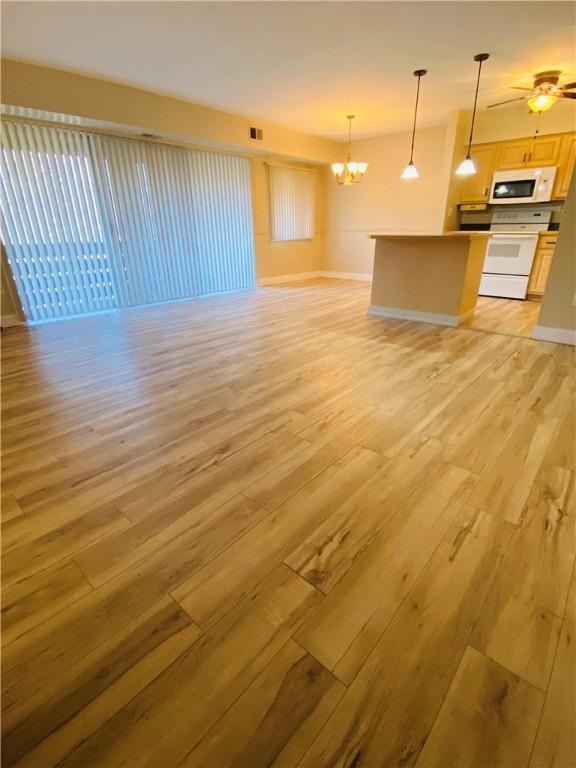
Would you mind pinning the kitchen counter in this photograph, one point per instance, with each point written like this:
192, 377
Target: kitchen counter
428, 278
454, 233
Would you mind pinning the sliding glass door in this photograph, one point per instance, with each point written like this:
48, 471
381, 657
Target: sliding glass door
93, 222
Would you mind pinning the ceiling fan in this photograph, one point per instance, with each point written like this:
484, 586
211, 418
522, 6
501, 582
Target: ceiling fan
544, 92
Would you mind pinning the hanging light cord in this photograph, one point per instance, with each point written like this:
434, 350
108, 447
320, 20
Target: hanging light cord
415, 114
537, 131
480, 58
350, 118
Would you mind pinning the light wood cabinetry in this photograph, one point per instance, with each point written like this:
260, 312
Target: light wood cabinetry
542, 263
476, 188
529, 153
545, 150
513, 154
565, 166
557, 149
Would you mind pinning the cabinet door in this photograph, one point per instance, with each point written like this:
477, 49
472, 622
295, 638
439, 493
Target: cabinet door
540, 270
566, 166
546, 263
476, 188
534, 272
545, 150
514, 154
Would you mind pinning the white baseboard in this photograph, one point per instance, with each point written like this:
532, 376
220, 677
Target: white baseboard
558, 335
288, 278
419, 317
364, 276
9, 321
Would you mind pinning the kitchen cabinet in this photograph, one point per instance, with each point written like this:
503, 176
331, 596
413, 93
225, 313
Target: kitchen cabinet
513, 154
542, 263
545, 150
476, 188
565, 166
530, 152
558, 149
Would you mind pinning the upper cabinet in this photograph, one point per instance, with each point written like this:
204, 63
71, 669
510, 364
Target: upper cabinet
476, 188
513, 154
558, 149
529, 153
565, 166
545, 150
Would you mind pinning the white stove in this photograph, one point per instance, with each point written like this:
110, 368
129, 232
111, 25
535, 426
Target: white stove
511, 251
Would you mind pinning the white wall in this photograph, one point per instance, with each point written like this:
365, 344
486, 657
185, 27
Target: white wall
515, 122
383, 202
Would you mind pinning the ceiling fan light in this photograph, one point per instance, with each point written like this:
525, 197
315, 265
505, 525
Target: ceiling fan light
541, 102
466, 167
410, 172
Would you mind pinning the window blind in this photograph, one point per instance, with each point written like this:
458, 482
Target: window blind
93, 222
292, 203
51, 223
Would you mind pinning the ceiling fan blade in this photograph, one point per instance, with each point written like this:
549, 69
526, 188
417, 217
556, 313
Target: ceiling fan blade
508, 101
568, 95
517, 88
568, 86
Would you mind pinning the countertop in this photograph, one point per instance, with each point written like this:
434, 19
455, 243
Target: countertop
423, 235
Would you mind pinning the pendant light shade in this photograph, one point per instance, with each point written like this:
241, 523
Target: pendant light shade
350, 172
467, 167
411, 172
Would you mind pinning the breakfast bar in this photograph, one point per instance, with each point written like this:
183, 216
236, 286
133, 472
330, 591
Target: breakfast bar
427, 278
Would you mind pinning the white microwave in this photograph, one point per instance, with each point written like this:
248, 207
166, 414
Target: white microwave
527, 185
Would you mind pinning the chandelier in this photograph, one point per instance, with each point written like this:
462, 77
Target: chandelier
349, 172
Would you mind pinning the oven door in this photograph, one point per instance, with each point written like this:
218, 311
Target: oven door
510, 254
516, 191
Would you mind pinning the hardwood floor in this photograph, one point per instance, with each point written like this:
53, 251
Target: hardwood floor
267, 529
509, 316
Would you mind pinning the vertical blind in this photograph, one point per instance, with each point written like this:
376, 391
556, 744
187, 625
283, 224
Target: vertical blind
292, 199
93, 222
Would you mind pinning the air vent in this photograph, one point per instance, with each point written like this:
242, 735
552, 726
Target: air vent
256, 133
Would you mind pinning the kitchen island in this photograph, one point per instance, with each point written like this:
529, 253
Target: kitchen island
427, 278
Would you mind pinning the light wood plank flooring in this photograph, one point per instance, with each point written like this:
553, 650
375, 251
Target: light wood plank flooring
508, 316
266, 529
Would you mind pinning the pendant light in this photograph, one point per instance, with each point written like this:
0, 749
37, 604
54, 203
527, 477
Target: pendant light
467, 167
349, 172
411, 172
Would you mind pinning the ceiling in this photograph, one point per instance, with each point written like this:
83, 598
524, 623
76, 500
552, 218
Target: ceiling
304, 65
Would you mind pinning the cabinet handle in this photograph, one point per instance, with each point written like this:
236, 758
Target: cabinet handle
486, 192
524, 158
